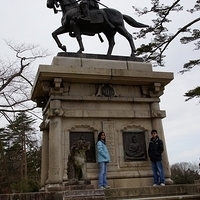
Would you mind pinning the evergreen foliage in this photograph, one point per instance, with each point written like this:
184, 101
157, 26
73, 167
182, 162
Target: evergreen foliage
20, 156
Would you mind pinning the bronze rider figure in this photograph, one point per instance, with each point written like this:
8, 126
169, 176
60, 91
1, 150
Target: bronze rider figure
85, 6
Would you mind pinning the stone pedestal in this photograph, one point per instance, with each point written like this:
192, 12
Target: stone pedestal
85, 95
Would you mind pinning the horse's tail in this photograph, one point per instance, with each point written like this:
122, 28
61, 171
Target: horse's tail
133, 22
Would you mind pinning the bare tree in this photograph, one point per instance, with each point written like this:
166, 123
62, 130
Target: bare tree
184, 173
16, 79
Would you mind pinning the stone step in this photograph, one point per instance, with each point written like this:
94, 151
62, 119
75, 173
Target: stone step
190, 191
168, 192
79, 187
188, 197
91, 194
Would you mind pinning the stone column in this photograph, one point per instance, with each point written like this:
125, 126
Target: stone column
157, 124
45, 157
55, 147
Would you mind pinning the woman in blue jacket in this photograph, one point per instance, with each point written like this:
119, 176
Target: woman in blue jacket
103, 158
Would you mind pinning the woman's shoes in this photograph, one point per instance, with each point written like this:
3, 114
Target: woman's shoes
104, 187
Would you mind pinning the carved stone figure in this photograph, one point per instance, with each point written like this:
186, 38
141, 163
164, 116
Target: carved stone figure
77, 169
134, 150
108, 21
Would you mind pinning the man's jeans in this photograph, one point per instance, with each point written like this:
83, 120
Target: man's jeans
102, 174
158, 173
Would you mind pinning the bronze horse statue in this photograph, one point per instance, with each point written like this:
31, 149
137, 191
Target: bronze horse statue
108, 21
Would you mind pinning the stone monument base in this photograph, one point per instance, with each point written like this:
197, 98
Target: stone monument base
86, 94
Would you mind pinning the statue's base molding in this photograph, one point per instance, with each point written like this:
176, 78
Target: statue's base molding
99, 56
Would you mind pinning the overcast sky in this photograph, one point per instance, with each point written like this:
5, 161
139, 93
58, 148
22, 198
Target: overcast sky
30, 21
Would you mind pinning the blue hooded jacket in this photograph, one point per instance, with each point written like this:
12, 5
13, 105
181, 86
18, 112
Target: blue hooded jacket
102, 152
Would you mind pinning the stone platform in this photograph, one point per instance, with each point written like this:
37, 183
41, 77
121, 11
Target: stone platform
170, 192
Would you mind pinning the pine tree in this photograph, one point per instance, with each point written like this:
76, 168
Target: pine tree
4, 174
22, 153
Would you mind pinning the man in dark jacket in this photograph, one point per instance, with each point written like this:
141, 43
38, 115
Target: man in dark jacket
155, 151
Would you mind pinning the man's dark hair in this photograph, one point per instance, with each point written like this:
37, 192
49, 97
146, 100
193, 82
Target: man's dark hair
154, 131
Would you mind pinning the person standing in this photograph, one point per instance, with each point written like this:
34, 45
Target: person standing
103, 158
155, 151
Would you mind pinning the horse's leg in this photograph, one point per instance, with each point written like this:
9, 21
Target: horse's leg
55, 34
77, 33
122, 30
110, 36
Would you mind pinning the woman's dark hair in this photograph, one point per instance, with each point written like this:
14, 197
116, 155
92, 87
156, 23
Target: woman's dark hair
99, 137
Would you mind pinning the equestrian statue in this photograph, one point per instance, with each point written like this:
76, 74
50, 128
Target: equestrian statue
85, 18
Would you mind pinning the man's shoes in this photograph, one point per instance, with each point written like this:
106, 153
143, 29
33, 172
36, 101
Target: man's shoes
155, 185
107, 187
101, 187
162, 184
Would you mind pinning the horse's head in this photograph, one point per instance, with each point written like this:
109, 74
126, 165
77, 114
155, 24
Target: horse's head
52, 3
64, 4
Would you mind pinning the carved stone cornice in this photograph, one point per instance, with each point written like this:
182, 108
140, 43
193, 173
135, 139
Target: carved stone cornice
79, 113
151, 83
153, 90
